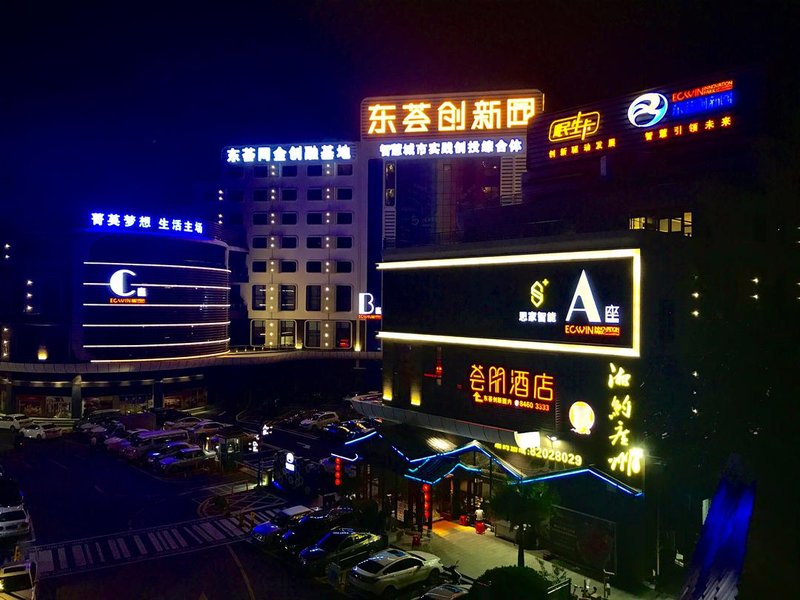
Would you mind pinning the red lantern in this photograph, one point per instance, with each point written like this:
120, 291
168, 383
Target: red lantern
426, 501
337, 473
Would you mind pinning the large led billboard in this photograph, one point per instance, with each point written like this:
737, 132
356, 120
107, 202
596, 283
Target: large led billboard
145, 297
575, 302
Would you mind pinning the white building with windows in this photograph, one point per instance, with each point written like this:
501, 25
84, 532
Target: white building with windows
304, 221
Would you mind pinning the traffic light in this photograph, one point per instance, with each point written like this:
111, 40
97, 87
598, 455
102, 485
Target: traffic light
337, 472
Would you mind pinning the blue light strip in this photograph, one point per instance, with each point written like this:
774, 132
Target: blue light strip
396, 449
476, 445
434, 482
345, 457
363, 437
619, 485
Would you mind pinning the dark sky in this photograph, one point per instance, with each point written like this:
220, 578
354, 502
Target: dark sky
129, 104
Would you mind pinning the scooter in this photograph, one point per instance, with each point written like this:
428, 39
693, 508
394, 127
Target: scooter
453, 575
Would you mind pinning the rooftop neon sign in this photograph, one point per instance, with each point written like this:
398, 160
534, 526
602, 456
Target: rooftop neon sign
140, 222
289, 153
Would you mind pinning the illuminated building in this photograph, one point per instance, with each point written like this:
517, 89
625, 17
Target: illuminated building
302, 262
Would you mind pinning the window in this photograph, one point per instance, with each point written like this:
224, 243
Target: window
314, 242
289, 218
344, 169
289, 242
288, 266
259, 242
236, 195
344, 242
314, 266
260, 195
289, 194
313, 298
343, 337
260, 219
289, 171
235, 172
258, 332
344, 298
312, 334
259, 266
344, 266
288, 294
260, 171
344, 193
314, 170
287, 334
314, 218
344, 218
314, 194
259, 300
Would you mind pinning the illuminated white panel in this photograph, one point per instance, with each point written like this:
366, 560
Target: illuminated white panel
126, 264
170, 285
156, 345
509, 344
132, 360
155, 324
511, 259
632, 253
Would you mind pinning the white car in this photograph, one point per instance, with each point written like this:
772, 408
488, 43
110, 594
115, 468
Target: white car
184, 423
14, 422
41, 431
446, 591
118, 443
319, 420
14, 522
206, 427
389, 571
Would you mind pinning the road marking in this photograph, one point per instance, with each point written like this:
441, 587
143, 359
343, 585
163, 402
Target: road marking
201, 533
212, 531
99, 552
114, 551
244, 574
179, 537
44, 560
140, 545
191, 533
169, 539
162, 539
77, 556
154, 541
62, 557
123, 548
88, 553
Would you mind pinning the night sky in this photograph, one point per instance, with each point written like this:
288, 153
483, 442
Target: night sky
130, 104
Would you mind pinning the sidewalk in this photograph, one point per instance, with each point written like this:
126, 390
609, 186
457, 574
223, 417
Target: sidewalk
476, 553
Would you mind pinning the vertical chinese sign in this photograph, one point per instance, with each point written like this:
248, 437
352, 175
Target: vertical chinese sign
624, 458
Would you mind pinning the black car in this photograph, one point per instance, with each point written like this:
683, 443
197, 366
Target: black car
343, 545
167, 414
313, 526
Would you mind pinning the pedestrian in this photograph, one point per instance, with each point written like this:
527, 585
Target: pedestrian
479, 514
18, 439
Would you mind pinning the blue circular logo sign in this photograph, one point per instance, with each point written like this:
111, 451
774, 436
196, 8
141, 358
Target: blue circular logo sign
647, 110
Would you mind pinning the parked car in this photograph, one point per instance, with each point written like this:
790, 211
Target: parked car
164, 415
342, 545
313, 526
145, 441
205, 428
151, 458
97, 416
14, 522
122, 440
295, 418
389, 571
14, 422
446, 591
183, 423
93, 427
319, 420
186, 459
41, 431
270, 531
18, 580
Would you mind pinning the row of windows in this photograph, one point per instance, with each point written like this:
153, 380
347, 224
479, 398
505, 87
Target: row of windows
336, 298
313, 242
312, 218
316, 334
342, 170
312, 266
681, 224
291, 194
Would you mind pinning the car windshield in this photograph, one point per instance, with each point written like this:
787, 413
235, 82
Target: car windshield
370, 566
331, 541
12, 515
49, 426
16, 583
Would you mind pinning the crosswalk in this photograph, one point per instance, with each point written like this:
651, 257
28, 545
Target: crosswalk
89, 554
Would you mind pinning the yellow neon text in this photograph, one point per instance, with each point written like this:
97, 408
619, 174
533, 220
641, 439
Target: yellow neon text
575, 127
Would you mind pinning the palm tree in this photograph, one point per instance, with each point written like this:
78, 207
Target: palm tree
525, 507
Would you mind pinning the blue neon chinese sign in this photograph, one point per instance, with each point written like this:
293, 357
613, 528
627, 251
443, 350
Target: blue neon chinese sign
135, 222
289, 153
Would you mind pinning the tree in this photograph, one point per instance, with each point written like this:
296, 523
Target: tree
525, 507
510, 582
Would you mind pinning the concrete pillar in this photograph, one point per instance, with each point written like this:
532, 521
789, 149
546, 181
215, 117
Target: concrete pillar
9, 400
158, 393
77, 397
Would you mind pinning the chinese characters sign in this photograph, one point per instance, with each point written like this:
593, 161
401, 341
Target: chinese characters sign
624, 458
462, 114
511, 388
289, 153
138, 222
462, 147
576, 302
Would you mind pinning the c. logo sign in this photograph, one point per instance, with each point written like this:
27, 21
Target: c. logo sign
647, 110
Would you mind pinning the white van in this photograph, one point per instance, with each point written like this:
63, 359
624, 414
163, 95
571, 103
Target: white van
145, 441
